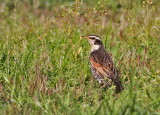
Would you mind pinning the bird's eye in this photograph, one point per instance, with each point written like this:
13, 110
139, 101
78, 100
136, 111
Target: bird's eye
92, 38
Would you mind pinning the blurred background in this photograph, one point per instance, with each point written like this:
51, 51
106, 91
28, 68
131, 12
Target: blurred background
66, 13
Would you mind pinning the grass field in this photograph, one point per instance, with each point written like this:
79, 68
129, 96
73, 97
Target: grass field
44, 66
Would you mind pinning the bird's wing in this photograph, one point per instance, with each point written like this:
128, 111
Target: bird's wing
102, 68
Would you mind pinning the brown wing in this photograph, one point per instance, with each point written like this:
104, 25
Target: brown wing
102, 67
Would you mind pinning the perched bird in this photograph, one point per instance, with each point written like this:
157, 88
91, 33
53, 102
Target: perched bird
101, 63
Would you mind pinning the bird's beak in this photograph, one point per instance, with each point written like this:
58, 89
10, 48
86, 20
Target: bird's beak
85, 37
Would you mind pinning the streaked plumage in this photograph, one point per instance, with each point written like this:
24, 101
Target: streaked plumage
101, 63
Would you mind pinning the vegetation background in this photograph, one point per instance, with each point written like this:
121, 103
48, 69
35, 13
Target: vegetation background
44, 65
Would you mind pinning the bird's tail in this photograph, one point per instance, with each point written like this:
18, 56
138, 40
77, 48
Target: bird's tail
117, 82
118, 85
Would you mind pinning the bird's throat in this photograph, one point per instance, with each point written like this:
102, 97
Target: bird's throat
95, 47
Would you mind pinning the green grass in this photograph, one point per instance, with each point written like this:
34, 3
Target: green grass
44, 65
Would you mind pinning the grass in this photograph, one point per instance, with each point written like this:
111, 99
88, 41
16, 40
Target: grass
44, 65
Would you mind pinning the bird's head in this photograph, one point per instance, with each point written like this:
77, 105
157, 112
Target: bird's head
94, 41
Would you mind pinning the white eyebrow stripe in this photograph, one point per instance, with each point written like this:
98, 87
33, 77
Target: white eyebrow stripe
95, 37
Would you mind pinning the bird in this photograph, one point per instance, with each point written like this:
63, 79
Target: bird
102, 65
